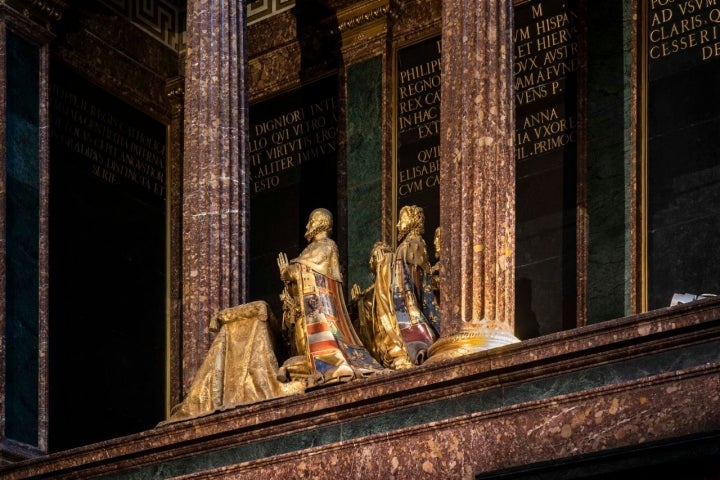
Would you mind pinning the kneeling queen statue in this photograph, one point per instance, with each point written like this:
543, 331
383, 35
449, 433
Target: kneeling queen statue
324, 346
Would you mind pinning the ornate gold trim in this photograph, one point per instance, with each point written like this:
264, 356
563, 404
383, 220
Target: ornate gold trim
364, 18
363, 21
468, 342
53, 10
641, 197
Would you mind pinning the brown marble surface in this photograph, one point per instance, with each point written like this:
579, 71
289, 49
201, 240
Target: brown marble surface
438, 420
12, 20
215, 175
134, 67
466, 446
477, 188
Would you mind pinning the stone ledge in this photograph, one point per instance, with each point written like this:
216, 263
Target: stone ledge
622, 355
666, 408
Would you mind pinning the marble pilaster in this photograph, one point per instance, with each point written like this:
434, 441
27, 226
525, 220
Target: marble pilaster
31, 23
214, 180
477, 178
175, 91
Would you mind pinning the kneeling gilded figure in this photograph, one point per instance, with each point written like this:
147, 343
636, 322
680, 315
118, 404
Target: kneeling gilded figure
416, 306
325, 347
378, 326
398, 314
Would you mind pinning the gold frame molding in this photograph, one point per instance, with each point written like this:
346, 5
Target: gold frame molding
639, 202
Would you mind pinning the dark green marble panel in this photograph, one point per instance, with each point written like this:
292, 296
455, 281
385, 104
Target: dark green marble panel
608, 255
364, 160
22, 213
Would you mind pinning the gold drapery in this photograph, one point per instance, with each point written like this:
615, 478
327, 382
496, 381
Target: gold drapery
240, 366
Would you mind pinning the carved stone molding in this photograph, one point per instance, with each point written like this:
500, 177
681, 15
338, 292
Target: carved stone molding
33, 18
41, 11
175, 91
362, 21
652, 377
163, 20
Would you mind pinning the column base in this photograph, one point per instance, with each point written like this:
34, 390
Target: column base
468, 342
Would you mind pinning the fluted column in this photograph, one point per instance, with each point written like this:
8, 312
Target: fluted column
215, 199
477, 178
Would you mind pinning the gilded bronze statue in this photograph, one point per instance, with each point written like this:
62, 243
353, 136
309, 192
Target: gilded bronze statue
435, 269
416, 307
378, 326
398, 314
240, 366
324, 346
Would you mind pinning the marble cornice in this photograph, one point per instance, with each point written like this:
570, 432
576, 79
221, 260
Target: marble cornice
363, 20
625, 358
162, 20
260, 10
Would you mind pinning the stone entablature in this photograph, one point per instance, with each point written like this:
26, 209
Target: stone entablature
647, 379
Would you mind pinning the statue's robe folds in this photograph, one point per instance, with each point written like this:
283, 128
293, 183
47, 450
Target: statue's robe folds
416, 307
323, 333
379, 328
240, 366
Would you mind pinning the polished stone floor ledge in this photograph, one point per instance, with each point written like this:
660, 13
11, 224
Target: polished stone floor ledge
646, 380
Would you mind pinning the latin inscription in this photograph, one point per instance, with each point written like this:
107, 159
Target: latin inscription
545, 54
691, 27
284, 142
293, 168
545, 87
683, 62
111, 148
419, 93
418, 110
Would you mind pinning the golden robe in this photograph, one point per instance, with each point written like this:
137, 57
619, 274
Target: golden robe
240, 366
378, 324
416, 307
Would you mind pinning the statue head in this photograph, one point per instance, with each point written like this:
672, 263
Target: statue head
411, 219
320, 221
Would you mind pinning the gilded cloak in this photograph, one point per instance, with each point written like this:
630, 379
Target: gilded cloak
414, 301
322, 330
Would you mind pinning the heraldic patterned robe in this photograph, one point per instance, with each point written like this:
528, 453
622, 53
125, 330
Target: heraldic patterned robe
323, 332
414, 300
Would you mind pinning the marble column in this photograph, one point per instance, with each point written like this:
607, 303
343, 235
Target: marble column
477, 178
215, 198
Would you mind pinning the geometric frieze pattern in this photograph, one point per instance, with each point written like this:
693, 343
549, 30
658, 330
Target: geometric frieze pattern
163, 20
261, 9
